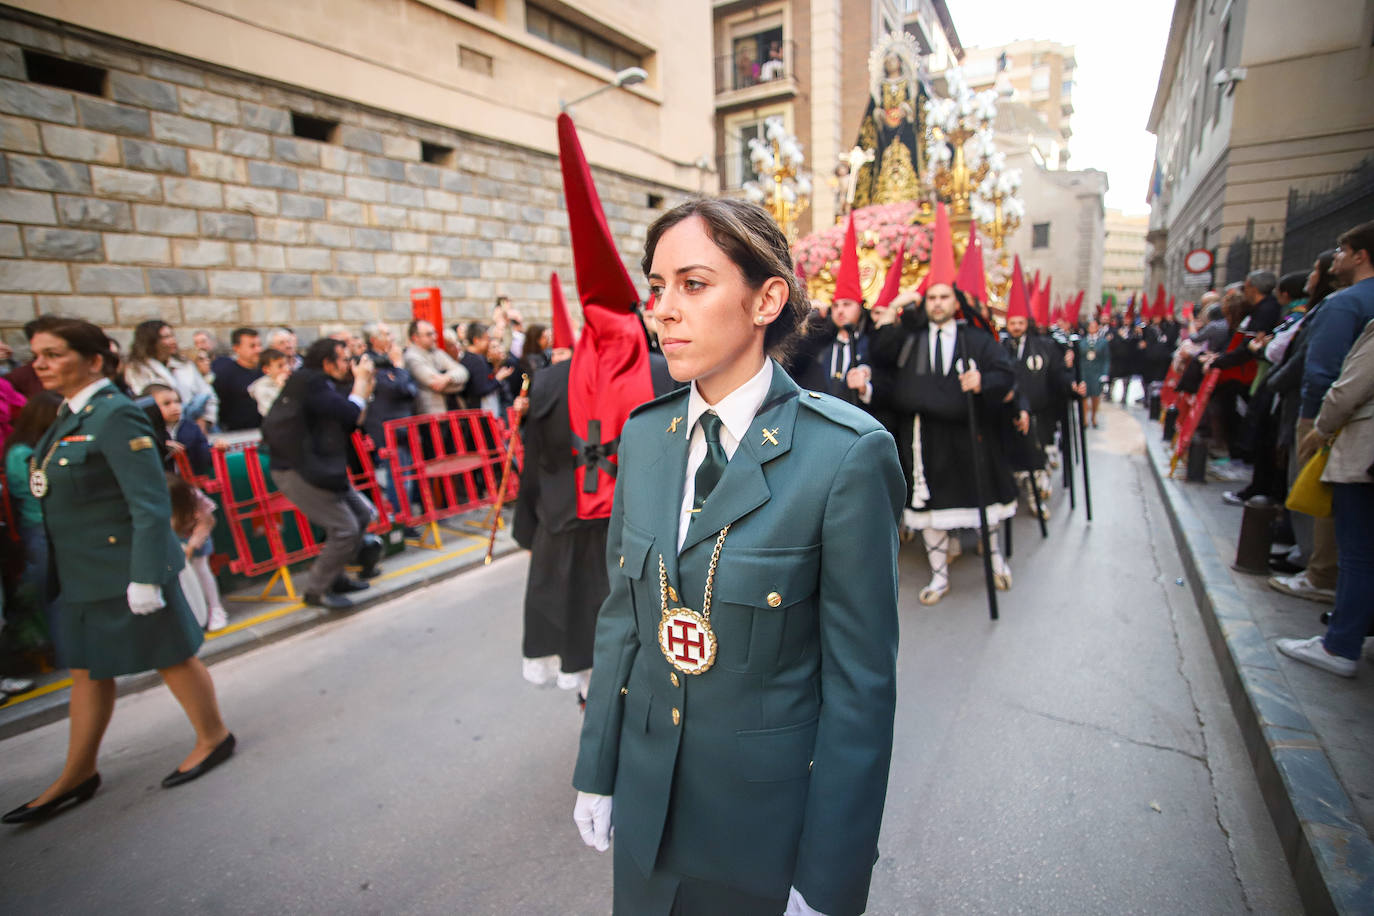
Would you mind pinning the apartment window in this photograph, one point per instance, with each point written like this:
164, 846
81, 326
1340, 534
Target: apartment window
757, 57
738, 167
64, 74
1040, 82
572, 37
1040, 235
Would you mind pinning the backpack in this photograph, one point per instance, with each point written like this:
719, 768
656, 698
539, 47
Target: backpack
283, 429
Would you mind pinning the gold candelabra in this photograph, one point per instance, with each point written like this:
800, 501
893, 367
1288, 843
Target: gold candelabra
781, 188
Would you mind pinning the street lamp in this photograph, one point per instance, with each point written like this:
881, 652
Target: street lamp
630, 76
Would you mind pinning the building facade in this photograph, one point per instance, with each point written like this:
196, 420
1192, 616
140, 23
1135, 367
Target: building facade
221, 163
1257, 100
806, 61
1038, 74
1123, 253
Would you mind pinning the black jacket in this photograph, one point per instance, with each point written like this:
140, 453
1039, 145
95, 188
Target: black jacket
328, 418
393, 396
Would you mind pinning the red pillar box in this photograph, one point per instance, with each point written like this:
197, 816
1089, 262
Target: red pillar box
427, 305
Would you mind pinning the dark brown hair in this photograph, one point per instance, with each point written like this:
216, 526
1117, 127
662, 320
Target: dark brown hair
83, 337
34, 419
754, 243
183, 497
1359, 238
146, 333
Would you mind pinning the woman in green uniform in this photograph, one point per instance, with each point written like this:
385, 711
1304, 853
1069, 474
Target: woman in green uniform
114, 562
1094, 351
738, 726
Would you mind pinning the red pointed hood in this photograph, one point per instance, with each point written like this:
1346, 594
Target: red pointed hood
847, 284
562, 324
1146, 311
1040, 304
1160, 298
1018, 302
973, 278
892, 283
1170, 312
941, 253
609, 375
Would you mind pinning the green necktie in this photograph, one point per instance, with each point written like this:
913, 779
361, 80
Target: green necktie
713, 465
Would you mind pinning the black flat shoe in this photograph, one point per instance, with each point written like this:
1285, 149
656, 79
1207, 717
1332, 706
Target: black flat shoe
222, 752
30, 812
327, 600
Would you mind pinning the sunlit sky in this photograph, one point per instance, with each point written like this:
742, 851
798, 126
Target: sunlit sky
1119, 48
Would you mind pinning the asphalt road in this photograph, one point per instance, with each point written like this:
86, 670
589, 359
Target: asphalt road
1078, 756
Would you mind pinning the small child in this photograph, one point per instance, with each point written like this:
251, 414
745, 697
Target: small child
193, 519
183, 431
276, 369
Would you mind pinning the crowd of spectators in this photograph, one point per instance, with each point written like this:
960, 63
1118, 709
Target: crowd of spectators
194, 395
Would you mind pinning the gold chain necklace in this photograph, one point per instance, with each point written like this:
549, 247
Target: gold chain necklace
38, 474
684, 636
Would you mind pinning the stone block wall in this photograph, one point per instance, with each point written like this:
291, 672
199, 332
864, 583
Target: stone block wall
181, 193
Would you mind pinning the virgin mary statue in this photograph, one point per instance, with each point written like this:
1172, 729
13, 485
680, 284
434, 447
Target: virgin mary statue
893, 124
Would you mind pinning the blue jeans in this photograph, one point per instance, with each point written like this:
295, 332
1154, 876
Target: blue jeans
1352, 506
389, 479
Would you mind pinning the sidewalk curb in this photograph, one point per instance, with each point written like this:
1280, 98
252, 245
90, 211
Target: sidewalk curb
1329, 852
52, 707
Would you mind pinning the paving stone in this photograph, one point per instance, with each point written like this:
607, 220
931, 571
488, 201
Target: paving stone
164, 220
300, 152
30, 100
137, 249
41, 174
97, 114
175, 73
177, 282
266, 175
74, 143
331, 235
209, 107
27, 207
228, 226
62, 244
94, 213
154, 157
239, 142
205, 164
264, 117
183, 131
190, 192
11, 244
298, 206
25, 276
309, 259
138, 90
112, 280
373, 239
97, 309
290, 284
200, 253
358, 138
365, 189
261, 201
19, 135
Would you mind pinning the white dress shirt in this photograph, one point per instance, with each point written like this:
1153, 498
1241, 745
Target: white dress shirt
78, 401
945, 334
736, 411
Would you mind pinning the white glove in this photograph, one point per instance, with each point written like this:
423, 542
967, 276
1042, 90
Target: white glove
796, 905
144, 599
592, 814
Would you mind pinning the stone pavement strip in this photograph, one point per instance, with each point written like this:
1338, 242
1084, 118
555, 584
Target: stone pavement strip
1309, 733
255, 621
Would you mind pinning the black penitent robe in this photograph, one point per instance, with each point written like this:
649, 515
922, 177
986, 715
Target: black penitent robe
942, 491
1046, 384
567, 578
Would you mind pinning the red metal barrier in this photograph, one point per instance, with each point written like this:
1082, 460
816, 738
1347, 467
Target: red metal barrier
454, 461
1191, 407
261, 510
365, 482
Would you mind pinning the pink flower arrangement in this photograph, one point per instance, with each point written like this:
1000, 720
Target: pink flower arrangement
882, 227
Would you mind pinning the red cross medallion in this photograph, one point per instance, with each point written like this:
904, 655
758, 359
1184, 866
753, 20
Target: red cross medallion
687, 641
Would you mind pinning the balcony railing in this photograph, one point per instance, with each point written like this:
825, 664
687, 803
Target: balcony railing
744, 71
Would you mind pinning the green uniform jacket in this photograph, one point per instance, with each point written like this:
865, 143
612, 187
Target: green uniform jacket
770, 769
107, 510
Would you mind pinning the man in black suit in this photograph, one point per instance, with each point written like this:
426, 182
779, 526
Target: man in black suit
312, 470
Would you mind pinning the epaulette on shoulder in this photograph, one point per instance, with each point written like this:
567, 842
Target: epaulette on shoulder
839, 412
670, 396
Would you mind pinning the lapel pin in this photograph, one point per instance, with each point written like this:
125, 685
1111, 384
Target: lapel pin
672, 427
770, 436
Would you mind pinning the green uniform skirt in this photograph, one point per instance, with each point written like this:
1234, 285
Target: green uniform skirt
666, 894
108, 639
